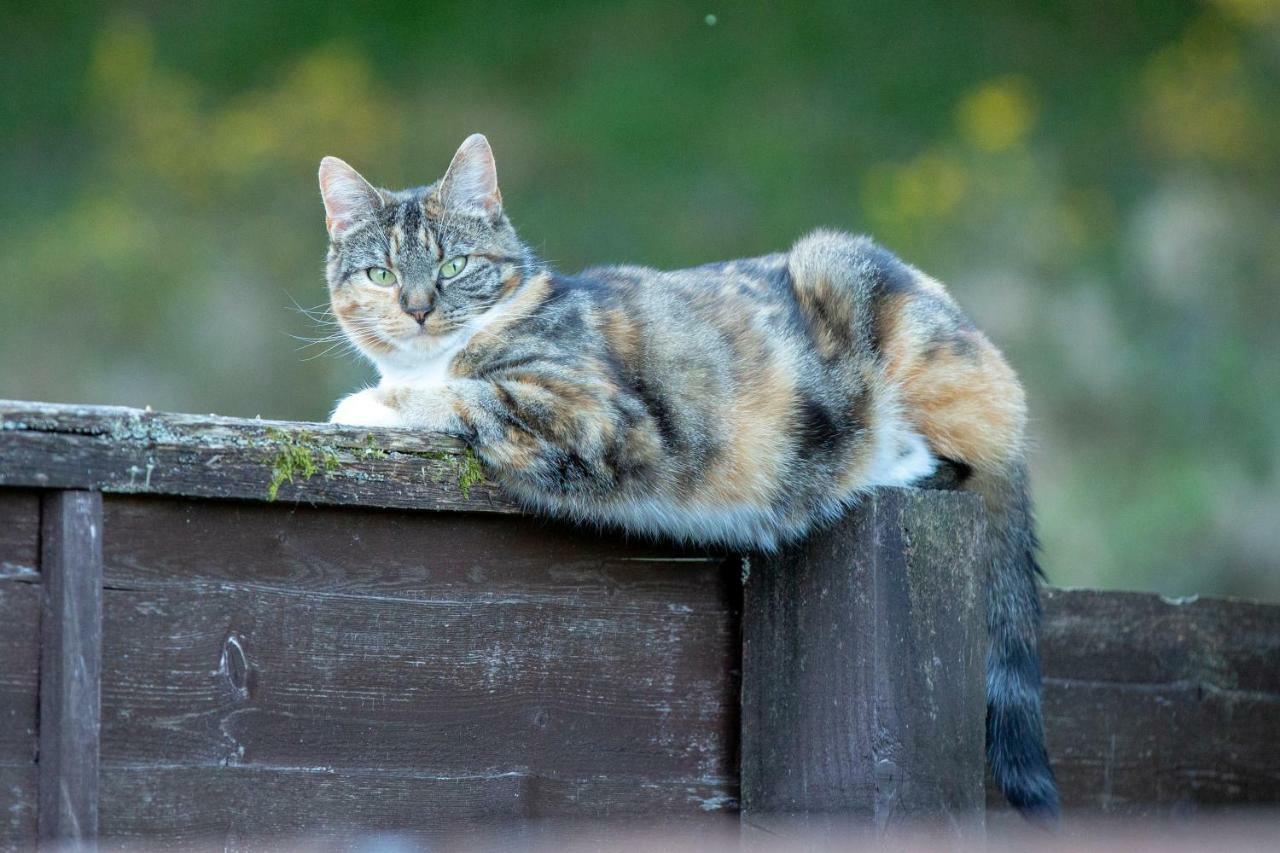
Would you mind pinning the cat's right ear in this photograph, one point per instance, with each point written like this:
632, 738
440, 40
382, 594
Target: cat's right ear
348, 198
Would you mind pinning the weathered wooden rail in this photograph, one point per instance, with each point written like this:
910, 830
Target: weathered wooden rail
222, 629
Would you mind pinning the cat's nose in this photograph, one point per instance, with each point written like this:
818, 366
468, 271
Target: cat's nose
418, 302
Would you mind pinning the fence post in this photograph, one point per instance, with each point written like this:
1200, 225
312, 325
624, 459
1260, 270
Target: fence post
862, 682
70, 666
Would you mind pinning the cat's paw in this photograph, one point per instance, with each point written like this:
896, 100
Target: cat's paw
366, 409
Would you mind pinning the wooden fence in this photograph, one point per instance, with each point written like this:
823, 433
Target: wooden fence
225, 629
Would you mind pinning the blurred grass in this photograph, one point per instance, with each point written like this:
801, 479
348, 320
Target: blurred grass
1099, 183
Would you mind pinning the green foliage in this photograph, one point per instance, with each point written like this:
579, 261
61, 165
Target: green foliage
1099, 183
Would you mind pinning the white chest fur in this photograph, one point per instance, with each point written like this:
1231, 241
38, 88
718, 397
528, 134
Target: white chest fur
424, 370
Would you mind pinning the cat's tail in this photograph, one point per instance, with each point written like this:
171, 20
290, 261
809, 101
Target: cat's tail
1015, 725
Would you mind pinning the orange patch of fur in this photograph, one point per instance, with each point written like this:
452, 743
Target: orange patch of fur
352, 312
622, 334
518, 450
751, 463
965, 400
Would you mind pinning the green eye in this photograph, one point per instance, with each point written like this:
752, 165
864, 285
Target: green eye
381, 275
453, 266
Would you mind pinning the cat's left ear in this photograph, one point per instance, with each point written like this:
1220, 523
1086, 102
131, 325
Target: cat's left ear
348, 197
471, 183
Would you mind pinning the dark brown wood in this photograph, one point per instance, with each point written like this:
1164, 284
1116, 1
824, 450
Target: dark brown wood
115, 449
276, 667
70, 664
19, 666
18, 797
225, 675
862, 664
19, 535
448, 556
1141, 639
234, 806
503, 664
1156, 707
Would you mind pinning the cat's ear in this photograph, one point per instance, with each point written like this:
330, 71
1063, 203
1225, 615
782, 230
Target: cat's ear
348, 198
471, 183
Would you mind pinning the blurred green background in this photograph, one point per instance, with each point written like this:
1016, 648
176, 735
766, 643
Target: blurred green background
1099, 183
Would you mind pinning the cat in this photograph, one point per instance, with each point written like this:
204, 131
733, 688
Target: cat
739, 403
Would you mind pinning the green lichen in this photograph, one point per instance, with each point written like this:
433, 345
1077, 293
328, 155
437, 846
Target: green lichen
298, 455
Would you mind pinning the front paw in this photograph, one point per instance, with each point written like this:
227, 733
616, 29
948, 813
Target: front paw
365, 409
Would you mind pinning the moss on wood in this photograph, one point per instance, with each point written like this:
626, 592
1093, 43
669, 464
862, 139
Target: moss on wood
301, 455
298, 455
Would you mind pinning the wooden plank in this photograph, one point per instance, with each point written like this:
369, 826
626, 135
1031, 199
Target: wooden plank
19, 665
232, 806
19, 535
19, 699
448, 556
863, 655
1142, 639
482, 656
70, 664
230, 675
1157, 707
115, 449
17, 805
20, 603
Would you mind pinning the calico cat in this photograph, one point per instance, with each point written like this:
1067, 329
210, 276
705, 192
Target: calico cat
739, 403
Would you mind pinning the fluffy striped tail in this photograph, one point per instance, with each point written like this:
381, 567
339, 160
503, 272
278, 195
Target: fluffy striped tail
1015, 726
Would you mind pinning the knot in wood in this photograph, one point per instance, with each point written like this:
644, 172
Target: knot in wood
234, 666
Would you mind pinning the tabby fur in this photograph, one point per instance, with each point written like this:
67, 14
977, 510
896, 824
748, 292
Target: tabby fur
740, 403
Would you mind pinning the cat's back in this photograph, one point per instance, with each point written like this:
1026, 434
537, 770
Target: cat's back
714, 311
763, 382
757, 280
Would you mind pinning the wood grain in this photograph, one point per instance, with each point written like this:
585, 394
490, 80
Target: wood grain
273, 667
115, 449
862, 671
481, 656
227, 675
453, 556
1143, 639
19, 665
19, 535
18, 796
1156, 707
19, 668
70, 664
232, 807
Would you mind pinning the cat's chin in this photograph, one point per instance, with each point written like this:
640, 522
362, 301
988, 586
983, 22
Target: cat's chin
422, 343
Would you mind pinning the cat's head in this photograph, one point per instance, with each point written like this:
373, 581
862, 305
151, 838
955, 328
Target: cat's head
409, 268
